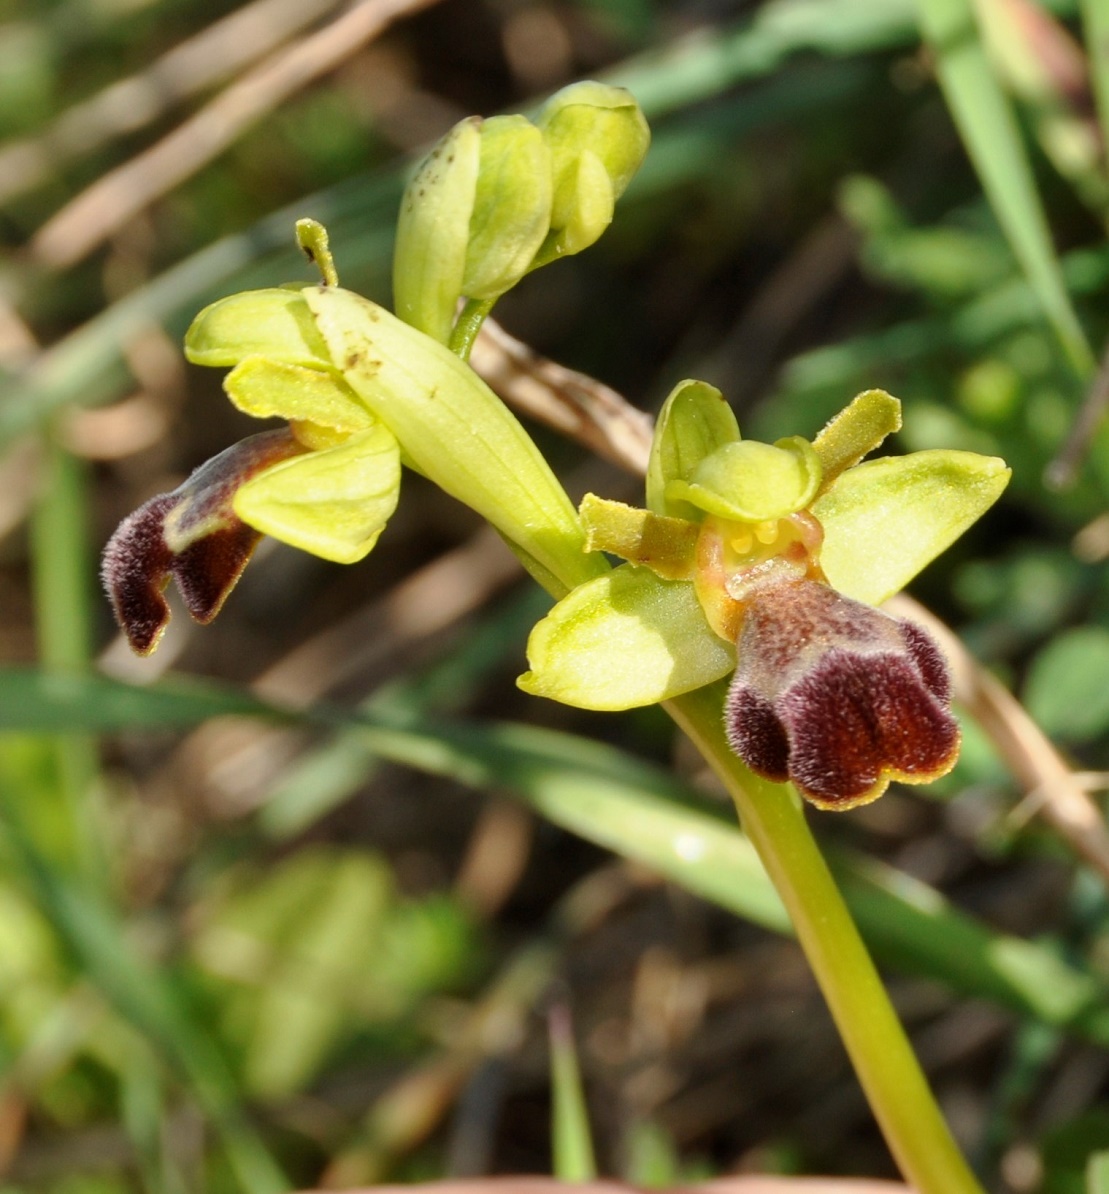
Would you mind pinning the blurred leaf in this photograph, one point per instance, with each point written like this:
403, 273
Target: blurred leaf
45, 702
993, 141
1067, 690
1097, 1173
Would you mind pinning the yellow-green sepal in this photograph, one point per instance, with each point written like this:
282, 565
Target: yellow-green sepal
622, 640
272, 323
886, 519
456, 431
433, 232
598, 137
694, 421
333, 503
512, 206
752, 482
265, 388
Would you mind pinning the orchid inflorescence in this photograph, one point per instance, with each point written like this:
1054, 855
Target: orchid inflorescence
766, 560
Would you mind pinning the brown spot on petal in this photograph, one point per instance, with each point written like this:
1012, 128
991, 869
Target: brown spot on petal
838, 696
192, 535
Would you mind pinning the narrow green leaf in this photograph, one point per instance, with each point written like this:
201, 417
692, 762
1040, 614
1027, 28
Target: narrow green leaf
992, 139
42, 702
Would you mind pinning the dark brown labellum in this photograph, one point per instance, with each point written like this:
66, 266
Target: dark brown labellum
838, 697
192, 535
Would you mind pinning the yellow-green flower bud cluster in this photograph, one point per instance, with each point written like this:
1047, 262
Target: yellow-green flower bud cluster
499, 197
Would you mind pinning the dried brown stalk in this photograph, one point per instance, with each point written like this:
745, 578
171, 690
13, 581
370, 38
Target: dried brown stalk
112, 200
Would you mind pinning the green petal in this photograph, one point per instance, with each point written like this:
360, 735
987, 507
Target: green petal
753, 482
273, 323
624, 639
433, 231
856, 431
333, 503
886, 519
455, 430
512, 206
694, 421
265, 388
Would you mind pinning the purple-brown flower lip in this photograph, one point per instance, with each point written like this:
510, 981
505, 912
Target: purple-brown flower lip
192, 535
837, 696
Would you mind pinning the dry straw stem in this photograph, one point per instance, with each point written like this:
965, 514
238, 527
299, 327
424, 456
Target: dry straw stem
114, 199
1051, 785
129, 104
593, 412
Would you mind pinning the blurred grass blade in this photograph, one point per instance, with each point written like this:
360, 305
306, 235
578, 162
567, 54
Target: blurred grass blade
986, 123
61, 572
571, 1142
43, 702
1095, 28
641, 813
1097, 1173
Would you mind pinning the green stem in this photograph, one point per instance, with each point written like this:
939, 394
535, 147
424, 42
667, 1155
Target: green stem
884, 1061
467, 326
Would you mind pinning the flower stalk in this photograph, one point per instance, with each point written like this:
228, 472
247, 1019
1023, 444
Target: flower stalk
896, 1088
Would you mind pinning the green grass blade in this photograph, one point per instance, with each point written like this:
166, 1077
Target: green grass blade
1095, 28
43, 702
986, 123
571, 1142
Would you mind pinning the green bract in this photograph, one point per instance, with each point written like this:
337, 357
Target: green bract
633, 637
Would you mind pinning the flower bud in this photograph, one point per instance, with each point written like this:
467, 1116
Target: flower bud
472, 219
598, 137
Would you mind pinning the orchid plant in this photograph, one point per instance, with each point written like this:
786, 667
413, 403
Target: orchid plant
765, 562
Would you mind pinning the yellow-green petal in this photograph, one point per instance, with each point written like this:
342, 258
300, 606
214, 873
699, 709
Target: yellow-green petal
265, 388
624, 639
885, 520
856, 431
273, 323
752, 482
694, 421
433, 231
333, 503
455, 430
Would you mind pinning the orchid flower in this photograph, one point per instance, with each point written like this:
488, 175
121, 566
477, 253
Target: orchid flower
768, 560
